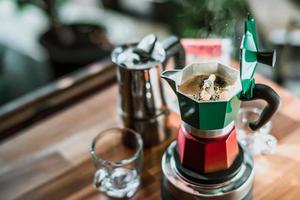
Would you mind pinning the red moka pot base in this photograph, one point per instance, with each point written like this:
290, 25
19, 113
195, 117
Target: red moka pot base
207, 155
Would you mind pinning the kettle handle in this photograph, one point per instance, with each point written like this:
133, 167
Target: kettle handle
174, 48
261, 91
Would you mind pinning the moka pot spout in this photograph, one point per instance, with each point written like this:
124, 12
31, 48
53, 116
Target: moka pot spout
172, 77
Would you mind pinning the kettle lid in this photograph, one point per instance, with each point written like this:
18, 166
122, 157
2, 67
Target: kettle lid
138, 55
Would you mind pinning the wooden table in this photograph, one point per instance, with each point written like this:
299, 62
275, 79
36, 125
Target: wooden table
50, 160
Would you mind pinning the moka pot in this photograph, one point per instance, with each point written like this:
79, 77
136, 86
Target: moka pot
206, 161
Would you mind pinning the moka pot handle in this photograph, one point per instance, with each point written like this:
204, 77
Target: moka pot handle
264, 92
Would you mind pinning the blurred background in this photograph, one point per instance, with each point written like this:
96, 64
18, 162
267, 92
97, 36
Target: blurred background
47, 46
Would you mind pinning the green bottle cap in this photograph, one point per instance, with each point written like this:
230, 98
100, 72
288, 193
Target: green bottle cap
250, 56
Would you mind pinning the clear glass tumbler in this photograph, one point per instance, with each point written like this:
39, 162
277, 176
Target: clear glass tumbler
259, 141
118, 156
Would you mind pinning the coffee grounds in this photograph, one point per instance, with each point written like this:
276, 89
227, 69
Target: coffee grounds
193, 87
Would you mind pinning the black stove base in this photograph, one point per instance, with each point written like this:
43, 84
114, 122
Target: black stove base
165, 195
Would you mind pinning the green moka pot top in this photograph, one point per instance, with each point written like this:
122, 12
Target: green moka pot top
220, 112
211, 114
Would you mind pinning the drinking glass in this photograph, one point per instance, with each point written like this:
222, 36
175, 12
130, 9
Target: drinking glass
117, 154
259, 141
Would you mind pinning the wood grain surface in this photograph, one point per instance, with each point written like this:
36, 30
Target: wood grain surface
59, 94
50, 159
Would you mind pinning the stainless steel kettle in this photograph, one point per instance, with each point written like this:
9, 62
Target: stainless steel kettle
142, 105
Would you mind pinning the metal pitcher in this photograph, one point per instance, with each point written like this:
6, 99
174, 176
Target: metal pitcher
142, 104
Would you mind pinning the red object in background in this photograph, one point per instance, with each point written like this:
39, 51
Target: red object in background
207, 155
205, 50
203, 47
